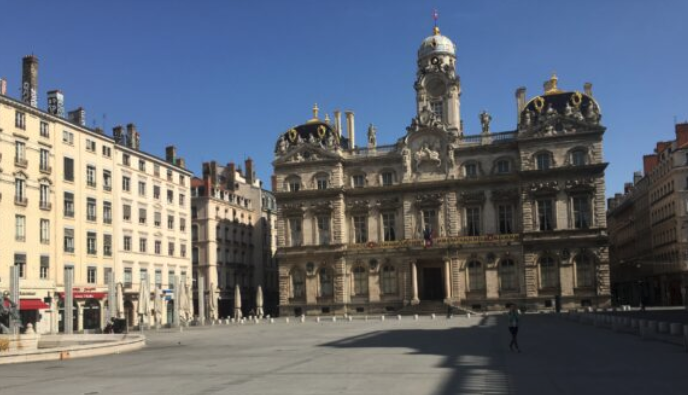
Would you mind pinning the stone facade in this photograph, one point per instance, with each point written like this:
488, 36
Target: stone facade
441, 217
648, 232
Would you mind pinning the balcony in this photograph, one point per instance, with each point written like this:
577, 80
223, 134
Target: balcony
107, 187
440, 242
21, 162
91, 184
46, 169
21, 201
46, 206
127, 285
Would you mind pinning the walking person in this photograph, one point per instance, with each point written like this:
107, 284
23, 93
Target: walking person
513, 317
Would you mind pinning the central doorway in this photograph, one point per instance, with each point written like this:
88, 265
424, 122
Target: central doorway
432, 284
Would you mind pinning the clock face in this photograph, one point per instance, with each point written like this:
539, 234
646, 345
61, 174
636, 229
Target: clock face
435, 86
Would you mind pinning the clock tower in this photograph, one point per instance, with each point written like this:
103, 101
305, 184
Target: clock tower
437, 86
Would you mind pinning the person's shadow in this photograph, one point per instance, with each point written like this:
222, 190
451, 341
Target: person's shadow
469, 352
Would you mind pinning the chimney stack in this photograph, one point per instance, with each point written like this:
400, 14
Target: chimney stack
338, 122
250, 174
587, 88
3, 86
681, 134
30, 80
118, 134
273, 180
77, 116
133, 137
231, 176
56, 103
637, 176
350, 129
520, 101
181, 162
171, 154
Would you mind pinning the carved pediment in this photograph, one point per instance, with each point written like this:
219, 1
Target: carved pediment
544, 187
321, 207
504, 194
580, 185
307, 153
467, 198
293, 210
388, 204
358, 206
429, 200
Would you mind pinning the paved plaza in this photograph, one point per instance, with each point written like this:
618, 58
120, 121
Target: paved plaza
441, 357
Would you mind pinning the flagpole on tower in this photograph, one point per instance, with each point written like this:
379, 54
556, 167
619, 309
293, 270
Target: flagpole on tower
435, 16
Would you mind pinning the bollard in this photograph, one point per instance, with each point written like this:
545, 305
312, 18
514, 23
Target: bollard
303, 319
675, 329
334, 319
433, 316
350, 318
317, 319
272, 320
663, 327
242, 321
382, 318
366, 318
415, 317
399, 317
468, 315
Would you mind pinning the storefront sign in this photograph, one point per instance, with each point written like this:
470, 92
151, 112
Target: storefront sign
85, 295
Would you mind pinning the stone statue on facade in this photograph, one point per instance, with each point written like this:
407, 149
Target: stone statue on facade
425, 153
592, 114
329, 141
451, 161
372, 136
485, 119
527, 119
406, 159
281, 145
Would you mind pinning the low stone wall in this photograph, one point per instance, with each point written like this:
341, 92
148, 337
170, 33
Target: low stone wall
14, 343
61, 347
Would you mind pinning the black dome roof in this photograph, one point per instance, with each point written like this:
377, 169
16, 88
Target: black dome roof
559, 100
314, 129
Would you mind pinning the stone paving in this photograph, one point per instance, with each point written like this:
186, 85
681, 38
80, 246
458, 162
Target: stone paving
440, 357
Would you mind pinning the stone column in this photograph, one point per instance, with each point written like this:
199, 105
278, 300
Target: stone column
414, 283
447, 281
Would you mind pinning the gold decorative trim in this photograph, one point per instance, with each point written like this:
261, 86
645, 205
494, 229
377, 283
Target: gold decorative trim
322, 131
292, 135
577, 99
539, 103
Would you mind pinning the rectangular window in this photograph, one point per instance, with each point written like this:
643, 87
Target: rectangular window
125, 159
322, 183
44, 196
44, 161
359, 181
157, 219
91, 209
91, 273
430, 222
156, 170
69, 205
107, 180
67, 137
545, 214
142, 216
581, 212
44, 130
182, 200
169, 175
143, 275
45, 267
156, 192
68, 169
194, 212
360, 229
90, 145
107, 245
437, 108
170, 222
142, 188
295, 231
91, 243
387, 179
471, 170
107, 151
126, 183
182, 180
506, 219
127, 243
170, 279
170, 196
323, 229
107, 212
45, 231
182, 250
389, 226
20, 192
170, 248
158, 247
69, 240
473, 221
128, 277
158, 278
20, 228
126, 212
107, 275
142, 165
20, 261
182, 224
20, 154
91, 176
143, 244
20, 120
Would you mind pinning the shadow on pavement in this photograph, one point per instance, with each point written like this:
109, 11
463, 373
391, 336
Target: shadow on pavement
472, 353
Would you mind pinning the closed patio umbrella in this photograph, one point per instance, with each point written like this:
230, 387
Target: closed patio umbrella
157, 305
237, 303
120, 301
259, 302
212, 302
144, 302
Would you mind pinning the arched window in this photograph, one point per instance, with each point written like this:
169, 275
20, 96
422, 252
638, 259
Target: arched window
543, 160
297, 284
293, 183
386, 178
389, 280
360, 281
584, 271
322, 181
549, 275
476, 277
507, 275
578, 157
326, 282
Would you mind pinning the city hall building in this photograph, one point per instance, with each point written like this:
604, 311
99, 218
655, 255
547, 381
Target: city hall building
441, 217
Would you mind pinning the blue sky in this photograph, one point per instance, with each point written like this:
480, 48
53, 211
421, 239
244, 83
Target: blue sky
222, 79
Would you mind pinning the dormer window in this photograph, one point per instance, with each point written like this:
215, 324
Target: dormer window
387, 178
503, 166
322, 181
358, 181
578, 157
543, 161
471, 170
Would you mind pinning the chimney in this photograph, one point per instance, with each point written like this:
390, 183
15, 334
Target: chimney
250, 174
338, 122
611, 203
628, 187
649, 163
98, 130
56, 103
118, 134
350, 129
3, 86
77, 116
637, 176
273, 181
181, 162
171, 154
587, 88
30, 80
681, 134
133, 137
231, 177
520, 102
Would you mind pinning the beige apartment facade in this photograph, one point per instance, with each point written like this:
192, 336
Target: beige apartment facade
64, 197
441, 217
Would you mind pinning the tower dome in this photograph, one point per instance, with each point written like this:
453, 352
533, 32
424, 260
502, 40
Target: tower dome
436, 44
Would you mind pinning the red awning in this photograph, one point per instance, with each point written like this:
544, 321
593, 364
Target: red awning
85, 295
30, 304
